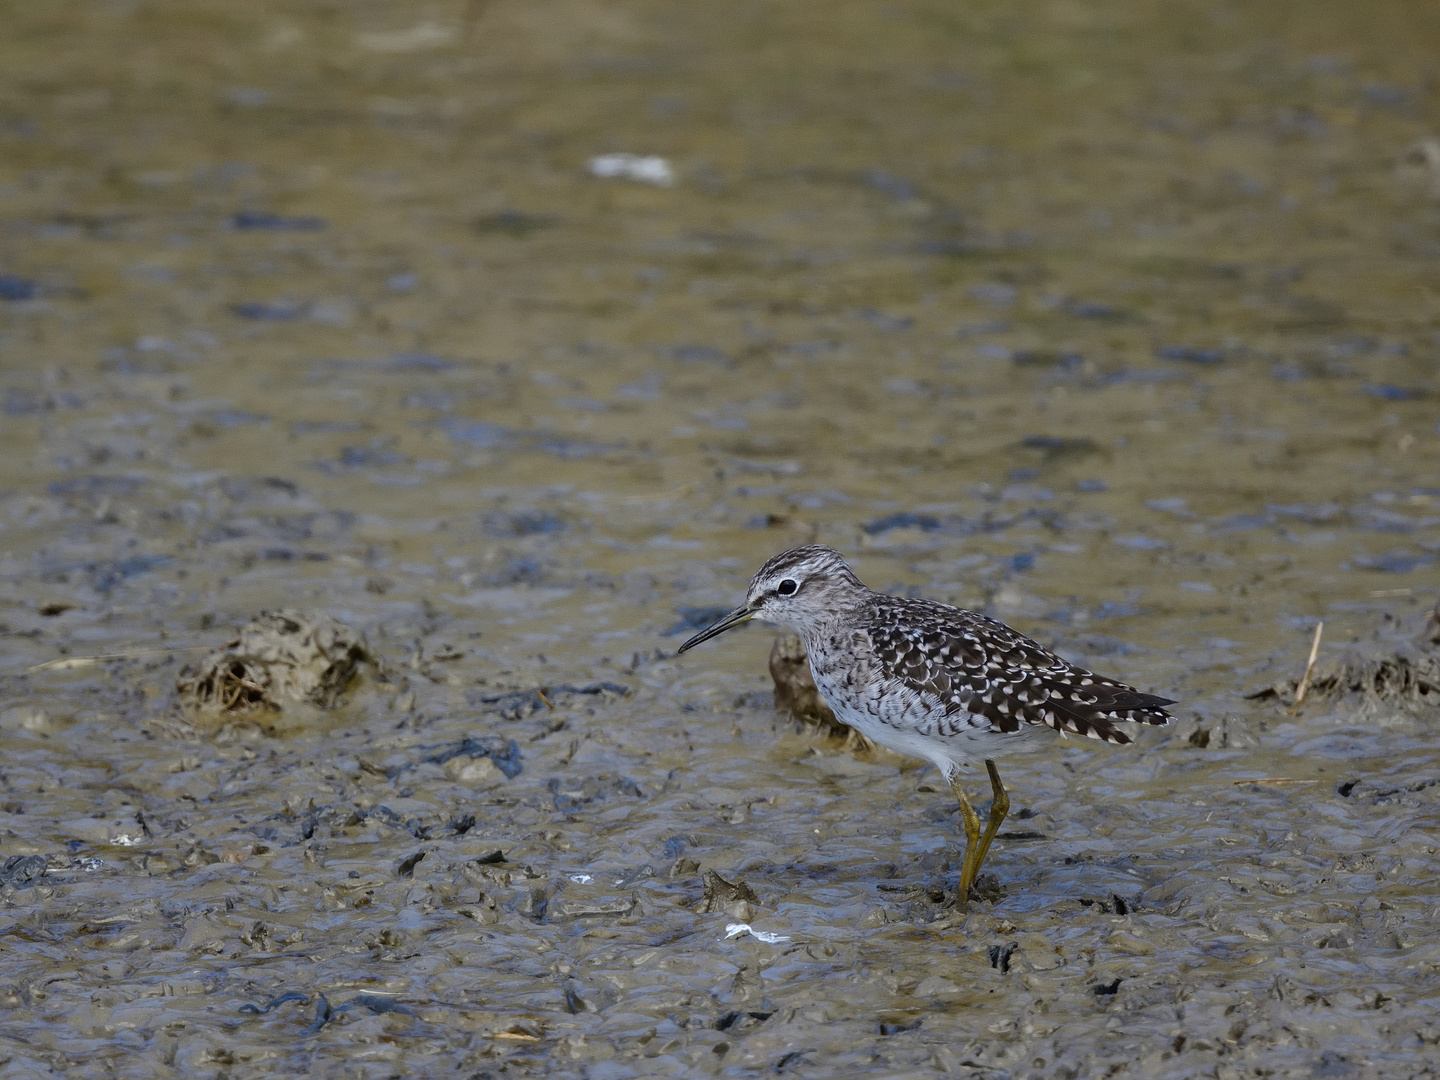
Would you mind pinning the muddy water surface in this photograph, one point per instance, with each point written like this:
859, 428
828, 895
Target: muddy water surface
1116, 321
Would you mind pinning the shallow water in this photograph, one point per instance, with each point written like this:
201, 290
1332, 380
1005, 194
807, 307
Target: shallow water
1116, 323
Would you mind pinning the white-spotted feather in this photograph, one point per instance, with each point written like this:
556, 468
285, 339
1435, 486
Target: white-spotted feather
969, 665
928, 679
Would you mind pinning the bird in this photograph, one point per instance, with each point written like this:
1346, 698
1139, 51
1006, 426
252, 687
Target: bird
933, 681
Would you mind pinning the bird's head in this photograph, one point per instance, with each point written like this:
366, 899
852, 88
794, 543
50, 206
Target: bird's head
799, 588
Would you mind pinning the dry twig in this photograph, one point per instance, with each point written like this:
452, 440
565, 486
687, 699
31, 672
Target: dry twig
1304, 685
66, 663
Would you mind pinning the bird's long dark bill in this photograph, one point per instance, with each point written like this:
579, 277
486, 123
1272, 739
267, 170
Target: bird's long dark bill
735, 618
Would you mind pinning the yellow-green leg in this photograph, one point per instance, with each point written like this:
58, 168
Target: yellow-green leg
971, 820
977, 846
999, 807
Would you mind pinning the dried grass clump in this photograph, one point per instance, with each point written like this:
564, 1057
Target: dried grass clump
797, 696
1403, 672
281, 657
1393, 677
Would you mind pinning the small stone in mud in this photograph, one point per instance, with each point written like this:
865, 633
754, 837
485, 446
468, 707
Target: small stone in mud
532, 903
281, 657
578, 909
873, 917
721, 894
737, 1020
1039, 952
683, 867
474, 772
987, 888
797, 695
748, 985
22, 871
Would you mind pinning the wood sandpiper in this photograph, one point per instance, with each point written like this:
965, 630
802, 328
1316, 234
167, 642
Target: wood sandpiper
933, 681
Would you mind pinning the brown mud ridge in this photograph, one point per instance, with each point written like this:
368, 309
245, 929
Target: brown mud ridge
1403, 673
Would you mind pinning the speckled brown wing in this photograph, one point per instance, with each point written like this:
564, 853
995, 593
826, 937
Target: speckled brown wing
973, 666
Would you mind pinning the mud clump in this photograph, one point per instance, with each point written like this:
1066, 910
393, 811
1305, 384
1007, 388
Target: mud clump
22, 871
797, 696
1394, 678
735, 897
282, 657
1405, 673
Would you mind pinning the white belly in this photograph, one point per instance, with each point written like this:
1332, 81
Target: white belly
904, 721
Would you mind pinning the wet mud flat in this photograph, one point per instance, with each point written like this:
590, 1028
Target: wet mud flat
1117, 325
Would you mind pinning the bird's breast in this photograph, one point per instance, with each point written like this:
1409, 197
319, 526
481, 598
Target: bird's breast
859, 692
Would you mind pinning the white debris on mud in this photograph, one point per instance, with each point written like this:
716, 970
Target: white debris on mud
644, 170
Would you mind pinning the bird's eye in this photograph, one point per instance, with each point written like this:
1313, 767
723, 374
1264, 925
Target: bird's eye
786, 587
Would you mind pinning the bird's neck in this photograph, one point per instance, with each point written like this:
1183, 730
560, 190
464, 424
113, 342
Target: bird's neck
837, 612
